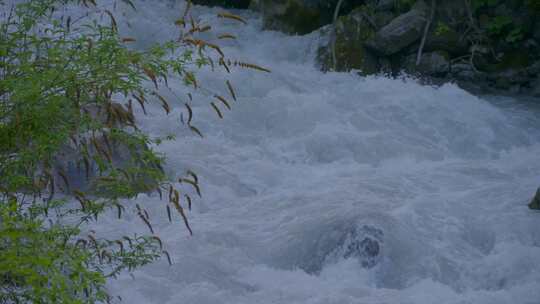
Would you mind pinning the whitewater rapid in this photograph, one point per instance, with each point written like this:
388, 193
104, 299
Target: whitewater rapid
308, 165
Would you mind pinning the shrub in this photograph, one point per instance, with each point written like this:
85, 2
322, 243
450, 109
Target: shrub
52, 71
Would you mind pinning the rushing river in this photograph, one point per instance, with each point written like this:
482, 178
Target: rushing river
336, 188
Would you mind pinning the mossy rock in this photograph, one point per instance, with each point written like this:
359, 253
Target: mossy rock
291, 17
351, 32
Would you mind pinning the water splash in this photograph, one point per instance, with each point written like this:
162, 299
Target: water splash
334, 188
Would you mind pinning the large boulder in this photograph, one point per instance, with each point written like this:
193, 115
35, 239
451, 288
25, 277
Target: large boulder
347, 43
535, 203
300, 16
400, 32
244, 4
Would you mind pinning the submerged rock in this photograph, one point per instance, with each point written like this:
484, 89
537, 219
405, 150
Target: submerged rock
535, 203
363, 243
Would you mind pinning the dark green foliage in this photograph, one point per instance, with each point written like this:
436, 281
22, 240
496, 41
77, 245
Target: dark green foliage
533, 4
224, 3
44, 262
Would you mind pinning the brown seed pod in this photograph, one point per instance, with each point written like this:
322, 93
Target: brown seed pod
217, 110
231, 16
231, 90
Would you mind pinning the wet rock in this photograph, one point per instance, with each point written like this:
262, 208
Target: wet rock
243, 4
351, 33
535, 203
400, 32
363, 243
366, 248
78, 165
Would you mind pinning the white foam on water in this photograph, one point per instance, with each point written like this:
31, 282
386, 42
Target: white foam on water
440, 178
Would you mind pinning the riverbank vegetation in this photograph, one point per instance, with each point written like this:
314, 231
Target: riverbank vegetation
71, 148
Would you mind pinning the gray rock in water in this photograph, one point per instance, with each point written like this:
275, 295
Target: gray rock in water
363, 244
400, 32
535, 203
332, 244
365, 248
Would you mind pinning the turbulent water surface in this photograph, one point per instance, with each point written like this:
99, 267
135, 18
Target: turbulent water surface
336, 188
